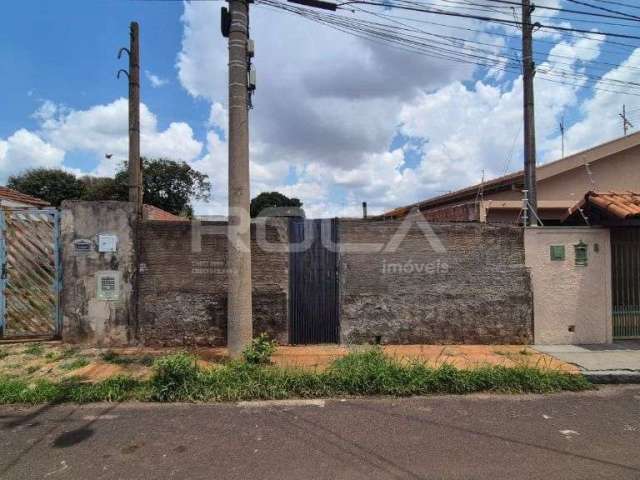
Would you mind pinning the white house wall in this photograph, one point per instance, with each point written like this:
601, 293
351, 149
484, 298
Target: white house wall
568, 297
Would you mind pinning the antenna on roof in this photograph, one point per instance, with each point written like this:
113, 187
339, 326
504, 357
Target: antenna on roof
562, 134
480, 194
625, 121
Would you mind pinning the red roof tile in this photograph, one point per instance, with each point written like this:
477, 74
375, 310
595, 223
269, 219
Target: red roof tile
154, 213
621, 205
11, 195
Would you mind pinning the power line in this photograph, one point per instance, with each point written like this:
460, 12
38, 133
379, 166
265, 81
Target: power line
396, 38
482, 18
579, 2
618, 49
620, 16
620, 4
595, 64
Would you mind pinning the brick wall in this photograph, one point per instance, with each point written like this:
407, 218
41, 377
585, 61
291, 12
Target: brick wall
183, 293
477, 291
463, 212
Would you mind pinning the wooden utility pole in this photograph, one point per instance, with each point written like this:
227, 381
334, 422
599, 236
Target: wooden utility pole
133, 74
239, 304
528, 68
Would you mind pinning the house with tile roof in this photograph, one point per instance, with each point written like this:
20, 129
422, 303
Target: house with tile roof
610, 167
10, 198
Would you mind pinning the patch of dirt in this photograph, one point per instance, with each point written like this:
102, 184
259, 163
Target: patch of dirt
52, 360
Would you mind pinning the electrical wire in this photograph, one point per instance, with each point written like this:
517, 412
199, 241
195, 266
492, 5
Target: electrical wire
404, 5
443, 48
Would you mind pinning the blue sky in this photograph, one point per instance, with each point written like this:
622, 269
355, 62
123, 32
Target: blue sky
66, 51
338, 120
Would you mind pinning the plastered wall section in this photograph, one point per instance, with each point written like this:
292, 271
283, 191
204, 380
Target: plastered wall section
87, 318
568, 297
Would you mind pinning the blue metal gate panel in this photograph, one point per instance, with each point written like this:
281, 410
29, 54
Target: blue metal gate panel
30, 284
3, 275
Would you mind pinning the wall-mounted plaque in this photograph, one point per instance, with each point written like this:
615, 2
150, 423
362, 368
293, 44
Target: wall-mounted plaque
82, 246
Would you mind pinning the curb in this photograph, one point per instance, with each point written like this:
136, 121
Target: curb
612, 377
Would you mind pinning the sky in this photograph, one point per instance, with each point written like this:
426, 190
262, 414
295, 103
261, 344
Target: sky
337, 119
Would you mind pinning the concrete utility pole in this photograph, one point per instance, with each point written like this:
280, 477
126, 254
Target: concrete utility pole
239, 304
529, 113
135, 167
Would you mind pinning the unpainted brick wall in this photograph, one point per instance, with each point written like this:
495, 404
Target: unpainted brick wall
183, 293
477, 291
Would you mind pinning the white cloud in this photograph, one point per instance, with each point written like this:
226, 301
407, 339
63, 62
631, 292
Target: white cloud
329, 106
103, 129
328, 99
96, 131
155, 80
24, 150
332, 111
218, 116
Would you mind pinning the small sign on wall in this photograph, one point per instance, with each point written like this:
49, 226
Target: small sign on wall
82, 246
107, 243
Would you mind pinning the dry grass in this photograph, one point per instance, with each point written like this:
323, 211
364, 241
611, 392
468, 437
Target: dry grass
56, 362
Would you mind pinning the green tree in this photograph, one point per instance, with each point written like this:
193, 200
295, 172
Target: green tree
270, 200
104, 188
169, 185
51, 184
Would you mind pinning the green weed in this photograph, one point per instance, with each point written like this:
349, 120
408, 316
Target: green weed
110, 356
370, 372
42, 391
176, 377
74, 363
260, 350
34, 349
66, 352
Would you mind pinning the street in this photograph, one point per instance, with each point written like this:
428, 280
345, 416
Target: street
587, 435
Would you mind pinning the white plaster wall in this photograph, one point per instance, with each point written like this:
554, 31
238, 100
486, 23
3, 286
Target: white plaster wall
86, 318
565, 294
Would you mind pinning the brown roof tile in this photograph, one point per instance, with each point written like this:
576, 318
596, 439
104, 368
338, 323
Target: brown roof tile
624, 205
154, 213
7, 193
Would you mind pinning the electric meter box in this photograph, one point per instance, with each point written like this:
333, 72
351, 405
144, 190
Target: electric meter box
107, 242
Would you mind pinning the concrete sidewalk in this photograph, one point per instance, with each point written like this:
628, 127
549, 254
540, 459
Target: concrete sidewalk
615, 363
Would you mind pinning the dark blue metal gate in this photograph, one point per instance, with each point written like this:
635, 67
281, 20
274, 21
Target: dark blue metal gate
625, 252
313, 282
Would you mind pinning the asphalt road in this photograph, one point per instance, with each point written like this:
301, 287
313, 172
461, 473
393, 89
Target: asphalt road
588, 435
